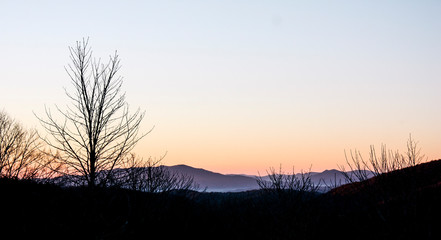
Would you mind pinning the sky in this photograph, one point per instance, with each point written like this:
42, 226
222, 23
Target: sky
241, 86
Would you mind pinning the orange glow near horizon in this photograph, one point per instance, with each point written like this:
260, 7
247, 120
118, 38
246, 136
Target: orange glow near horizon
256, 157
242, 148
234, 91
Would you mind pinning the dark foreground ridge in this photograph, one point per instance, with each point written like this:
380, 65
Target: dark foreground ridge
399, 205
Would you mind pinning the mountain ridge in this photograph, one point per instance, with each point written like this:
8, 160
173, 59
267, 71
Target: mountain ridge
217, 182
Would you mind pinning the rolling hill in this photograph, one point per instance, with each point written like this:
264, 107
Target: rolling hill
402, 204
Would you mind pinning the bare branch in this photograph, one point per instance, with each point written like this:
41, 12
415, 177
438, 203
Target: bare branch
97, 131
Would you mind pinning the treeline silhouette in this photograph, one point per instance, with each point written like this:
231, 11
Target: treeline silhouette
401, 204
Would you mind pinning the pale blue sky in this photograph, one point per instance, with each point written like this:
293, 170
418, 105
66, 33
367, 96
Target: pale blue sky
238, 86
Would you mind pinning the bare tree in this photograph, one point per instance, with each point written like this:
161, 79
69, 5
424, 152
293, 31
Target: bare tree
20, 155
282, 183
97, 131
358, 168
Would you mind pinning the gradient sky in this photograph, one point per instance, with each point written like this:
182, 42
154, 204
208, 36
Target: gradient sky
240, 86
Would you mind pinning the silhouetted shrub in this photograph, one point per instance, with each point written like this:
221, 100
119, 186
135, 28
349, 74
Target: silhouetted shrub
150, 176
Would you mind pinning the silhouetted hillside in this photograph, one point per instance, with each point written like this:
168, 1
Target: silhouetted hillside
399, 205
419, 178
